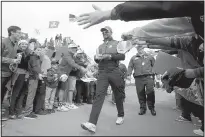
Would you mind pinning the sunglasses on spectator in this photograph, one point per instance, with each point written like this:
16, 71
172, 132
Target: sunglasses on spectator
105, 31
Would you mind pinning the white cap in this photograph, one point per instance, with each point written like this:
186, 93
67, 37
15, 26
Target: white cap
72, 46
80, 51
22, 41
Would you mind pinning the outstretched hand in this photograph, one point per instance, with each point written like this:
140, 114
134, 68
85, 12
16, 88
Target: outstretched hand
93, 18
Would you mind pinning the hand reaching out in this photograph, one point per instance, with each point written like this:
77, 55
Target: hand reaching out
93, 18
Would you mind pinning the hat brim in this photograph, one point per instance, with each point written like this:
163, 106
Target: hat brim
104, 29
73, 47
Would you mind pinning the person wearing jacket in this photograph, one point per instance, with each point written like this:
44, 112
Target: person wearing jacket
75, 75
8, 53
66, 65
108, 59
21, 75
80, 59
188, 49
39, 100
51, 85
35, 73
142, 64
138, 10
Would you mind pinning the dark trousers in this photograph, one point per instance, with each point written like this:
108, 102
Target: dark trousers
178, 100
15, 97
145, 91
115, 79
4, 81
39, 99
85, 90
113, 97
189, 107
21, 98
80, 88
90, 92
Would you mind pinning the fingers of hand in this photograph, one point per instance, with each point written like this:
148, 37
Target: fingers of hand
96, 7
83, 18
84, 22
84, 15
89, 25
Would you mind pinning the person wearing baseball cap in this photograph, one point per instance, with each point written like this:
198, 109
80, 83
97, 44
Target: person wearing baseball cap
67, 87
108, 59
142, 63
106, 28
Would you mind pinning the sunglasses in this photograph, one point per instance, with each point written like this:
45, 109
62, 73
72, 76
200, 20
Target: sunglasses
105, 32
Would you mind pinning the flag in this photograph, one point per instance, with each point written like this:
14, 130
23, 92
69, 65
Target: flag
54, 24
72, 18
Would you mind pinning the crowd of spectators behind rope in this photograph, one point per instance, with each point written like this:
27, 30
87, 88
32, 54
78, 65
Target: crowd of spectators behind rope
37, 82
34, 83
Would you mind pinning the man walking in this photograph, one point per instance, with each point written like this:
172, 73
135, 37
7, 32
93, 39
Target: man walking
123, 70
109, 73
144, 81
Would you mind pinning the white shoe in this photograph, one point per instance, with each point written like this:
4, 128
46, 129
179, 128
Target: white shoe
72, 106
89, 126
63, 109
120, 120
198, 132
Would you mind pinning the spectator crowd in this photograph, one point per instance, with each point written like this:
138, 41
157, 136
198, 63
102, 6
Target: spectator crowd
35, 83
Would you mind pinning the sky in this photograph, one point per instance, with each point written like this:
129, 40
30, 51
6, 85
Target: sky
36, 15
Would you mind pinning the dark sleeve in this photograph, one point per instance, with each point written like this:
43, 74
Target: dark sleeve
152, 61
130, 67
118, 56
132, 10
72, 63
199, 72
96, 60
53, 55
150, 46
179, 42
125, 70
34, 62
171, 52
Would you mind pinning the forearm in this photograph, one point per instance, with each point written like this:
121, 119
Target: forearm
81, 63
7, 60
132, 10
171, 52
195, 73
117, 57
180, 42
159, 46
72, 63
75, 65
129, 71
